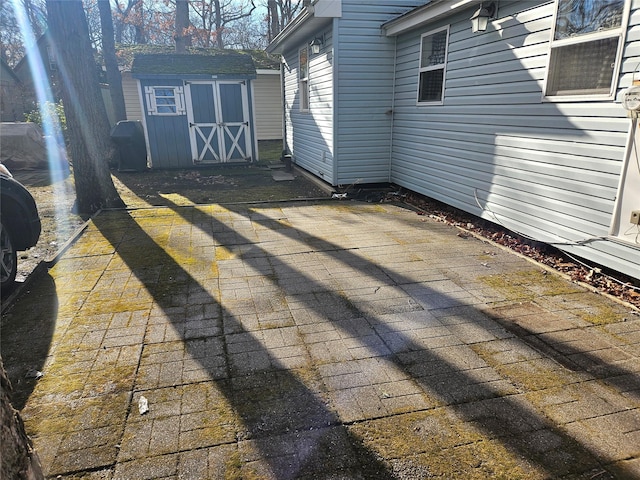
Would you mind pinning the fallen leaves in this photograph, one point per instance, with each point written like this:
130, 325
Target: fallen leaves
611, 283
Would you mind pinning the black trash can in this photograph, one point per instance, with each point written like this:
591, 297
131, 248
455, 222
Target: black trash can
128, 135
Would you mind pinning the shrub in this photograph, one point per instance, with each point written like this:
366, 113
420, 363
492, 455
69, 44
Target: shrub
55, 113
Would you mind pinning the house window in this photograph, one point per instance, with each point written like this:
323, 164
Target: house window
433, 61
165, 100
303, 58
585, 48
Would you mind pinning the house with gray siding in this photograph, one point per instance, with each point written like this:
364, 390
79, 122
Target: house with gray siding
338, 101
521, 124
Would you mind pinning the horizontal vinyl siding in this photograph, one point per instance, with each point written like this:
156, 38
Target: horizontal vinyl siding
496, 149
268, 106
310, 134
131, 98
364, 93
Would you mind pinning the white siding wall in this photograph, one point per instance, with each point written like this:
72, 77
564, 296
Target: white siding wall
364, 92
310, 134
131, 97
547, 170
268, 106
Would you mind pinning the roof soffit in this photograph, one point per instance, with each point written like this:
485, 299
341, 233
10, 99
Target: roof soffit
425, 14
311, 19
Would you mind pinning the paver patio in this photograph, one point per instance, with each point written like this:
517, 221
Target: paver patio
318, 340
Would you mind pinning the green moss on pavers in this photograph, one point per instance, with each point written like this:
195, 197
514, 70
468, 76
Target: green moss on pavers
259, 470
233, 467
114, 304
49, 419
414, 433
441, 443
217, 424
223, 253
528, 284
511, 291
68, 388
110, 379
102, 474
529, 375
599, 313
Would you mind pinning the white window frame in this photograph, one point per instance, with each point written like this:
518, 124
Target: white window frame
429, 68
152, 100
304, 98
587, 38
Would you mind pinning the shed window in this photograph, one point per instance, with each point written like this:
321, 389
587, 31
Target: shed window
165, 100
585, 48
303, 58
433, 61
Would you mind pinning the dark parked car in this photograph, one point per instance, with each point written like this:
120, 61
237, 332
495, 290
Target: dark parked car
19, 225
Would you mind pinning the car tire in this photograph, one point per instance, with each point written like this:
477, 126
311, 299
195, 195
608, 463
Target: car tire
8, 260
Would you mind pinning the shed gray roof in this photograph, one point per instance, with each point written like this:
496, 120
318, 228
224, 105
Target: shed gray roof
225, 64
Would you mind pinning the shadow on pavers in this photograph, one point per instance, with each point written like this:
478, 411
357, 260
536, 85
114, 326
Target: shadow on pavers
293, 429
499, 418
26, 336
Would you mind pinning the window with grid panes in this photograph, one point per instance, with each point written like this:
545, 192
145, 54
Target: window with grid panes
586, 44
433, 60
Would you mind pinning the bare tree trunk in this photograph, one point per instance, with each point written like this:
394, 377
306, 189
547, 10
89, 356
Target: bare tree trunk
121, 16
34, 13
140, 33
218, 20
274, 24
182, 37
90, 144
18, 459
111, 62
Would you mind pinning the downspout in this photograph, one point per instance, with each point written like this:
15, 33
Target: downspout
335, 47
285, 148
393, 102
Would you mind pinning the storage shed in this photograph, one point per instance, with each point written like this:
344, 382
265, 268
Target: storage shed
197, 109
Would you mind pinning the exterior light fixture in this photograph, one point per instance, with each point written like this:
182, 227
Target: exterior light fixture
316, 44
480, 19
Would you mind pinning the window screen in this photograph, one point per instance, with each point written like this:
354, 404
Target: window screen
433, 59
586, 43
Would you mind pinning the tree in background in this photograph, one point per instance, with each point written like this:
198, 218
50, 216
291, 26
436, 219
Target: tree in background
213, 17
11, 38
114, 78
93, 15
242, 24
90, 145
122, 19
280, 13
246, 34
182, 35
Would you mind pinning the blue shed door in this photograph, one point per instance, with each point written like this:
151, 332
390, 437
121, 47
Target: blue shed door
218, 116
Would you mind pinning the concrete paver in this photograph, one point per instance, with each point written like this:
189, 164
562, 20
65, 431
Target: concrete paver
318, 340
